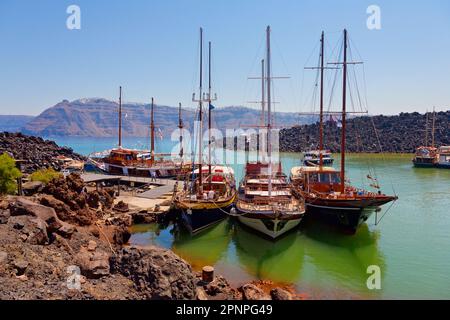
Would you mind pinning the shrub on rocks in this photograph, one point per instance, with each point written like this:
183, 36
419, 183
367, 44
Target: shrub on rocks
8, 174
45, 175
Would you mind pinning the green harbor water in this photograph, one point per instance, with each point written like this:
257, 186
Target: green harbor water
411, 244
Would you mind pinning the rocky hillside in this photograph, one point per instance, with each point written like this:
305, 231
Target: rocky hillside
13, 123
402, 133
99, 118
67, 242
37, 152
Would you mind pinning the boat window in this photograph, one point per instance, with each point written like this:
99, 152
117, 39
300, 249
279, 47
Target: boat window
324, 177
313, 177
335, 177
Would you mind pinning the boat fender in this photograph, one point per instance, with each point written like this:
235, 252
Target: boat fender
189, 211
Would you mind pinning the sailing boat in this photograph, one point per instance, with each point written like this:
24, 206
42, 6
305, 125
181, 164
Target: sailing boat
138, 163
427, 156
208, 193
265, 201
325, 190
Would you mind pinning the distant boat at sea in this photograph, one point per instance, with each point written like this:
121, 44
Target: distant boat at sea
318, 157
444, 157
426, 156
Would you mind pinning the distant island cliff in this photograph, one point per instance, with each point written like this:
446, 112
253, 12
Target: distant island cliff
97, 117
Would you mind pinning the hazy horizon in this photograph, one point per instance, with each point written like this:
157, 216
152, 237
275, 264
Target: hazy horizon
193, 108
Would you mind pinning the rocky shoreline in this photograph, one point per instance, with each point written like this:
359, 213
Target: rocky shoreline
397, 134
35, 151
69, 243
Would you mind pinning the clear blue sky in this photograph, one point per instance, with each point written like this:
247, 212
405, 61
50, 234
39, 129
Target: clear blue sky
150, 48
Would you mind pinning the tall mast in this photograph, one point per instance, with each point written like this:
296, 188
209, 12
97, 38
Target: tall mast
269, 107
433, 128
426, 129
120, 117
200, 115
152, 133
321, 100
263, 107
180, 126
344, 113
209, 115
263, 103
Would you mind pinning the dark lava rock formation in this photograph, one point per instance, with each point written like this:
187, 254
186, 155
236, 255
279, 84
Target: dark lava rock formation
399, 134
37, 152
159, 272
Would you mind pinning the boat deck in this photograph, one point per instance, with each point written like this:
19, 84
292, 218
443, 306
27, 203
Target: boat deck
287, 205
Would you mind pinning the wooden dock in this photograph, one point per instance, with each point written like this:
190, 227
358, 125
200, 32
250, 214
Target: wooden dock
164, 186
157, 192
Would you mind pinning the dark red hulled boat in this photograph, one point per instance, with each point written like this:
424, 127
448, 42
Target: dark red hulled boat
324, 188
321, 188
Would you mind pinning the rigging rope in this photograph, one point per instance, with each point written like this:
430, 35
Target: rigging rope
378, 221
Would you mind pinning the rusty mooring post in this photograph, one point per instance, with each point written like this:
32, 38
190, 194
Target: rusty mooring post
208, 273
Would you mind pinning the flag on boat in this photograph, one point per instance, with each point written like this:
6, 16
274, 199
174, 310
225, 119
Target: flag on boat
211, 107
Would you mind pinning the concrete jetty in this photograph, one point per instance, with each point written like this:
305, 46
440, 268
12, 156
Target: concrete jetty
163, 186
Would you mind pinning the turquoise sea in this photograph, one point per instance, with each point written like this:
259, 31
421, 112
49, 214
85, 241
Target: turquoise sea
411, 244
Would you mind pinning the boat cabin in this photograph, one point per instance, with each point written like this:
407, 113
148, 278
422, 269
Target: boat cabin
425, 156
122, 155
320, 179
221, 178
444, 156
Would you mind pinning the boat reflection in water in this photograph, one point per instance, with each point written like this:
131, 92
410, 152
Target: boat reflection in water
264, 259
316, 258
338, 261
204, 248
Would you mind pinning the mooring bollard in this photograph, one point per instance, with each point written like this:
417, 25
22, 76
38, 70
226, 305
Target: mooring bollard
208, 273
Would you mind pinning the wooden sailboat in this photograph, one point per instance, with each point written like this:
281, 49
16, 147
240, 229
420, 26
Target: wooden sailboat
265, 201
325, 190
209, 192
139, 163
426, 156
